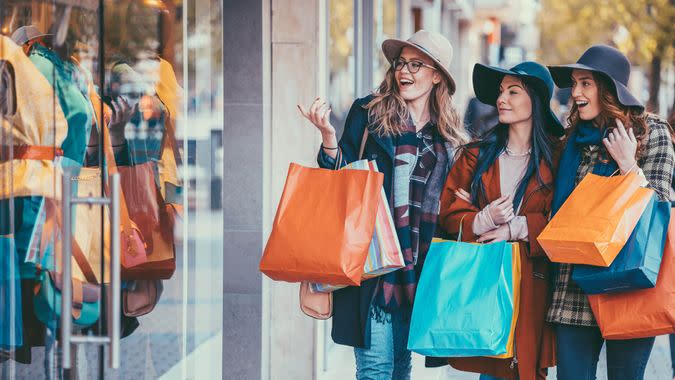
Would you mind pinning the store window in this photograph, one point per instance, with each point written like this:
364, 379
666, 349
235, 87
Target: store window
149, 75
341, 60
385, 25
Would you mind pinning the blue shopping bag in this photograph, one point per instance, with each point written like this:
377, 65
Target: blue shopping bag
637, 265
465, 304
11, 323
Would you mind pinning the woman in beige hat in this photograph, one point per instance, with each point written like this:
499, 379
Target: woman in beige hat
410, 127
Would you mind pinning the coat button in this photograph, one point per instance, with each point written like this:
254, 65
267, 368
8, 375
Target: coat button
373, 156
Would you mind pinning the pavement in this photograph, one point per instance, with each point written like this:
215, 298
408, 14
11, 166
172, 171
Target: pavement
340, 366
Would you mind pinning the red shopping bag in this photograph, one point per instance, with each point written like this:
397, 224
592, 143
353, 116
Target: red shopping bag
643, 313
323, 226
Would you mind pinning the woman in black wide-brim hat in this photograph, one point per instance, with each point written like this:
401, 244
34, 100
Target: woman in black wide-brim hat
501, 189
609, 130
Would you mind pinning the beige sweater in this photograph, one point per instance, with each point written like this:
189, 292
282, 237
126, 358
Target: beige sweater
511, 172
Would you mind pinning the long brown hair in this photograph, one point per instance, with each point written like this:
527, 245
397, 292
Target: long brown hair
610, 110
388, 112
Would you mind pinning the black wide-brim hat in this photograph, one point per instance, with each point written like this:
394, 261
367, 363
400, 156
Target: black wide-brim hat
607, 61
486, 81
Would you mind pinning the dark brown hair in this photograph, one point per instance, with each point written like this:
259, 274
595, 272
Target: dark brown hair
610, 110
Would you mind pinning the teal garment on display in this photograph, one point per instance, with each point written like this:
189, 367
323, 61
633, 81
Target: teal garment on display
70, 87
11, 322
26, 231
464, 302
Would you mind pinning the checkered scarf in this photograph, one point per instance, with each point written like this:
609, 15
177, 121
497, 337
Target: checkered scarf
421, 164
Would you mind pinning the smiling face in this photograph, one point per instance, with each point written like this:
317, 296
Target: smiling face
414, 86
514, 103
585, 93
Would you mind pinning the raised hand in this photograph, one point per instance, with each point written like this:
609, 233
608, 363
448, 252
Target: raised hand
622, 146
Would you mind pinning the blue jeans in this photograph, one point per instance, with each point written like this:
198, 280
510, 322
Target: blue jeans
488, 377
579, 350
672, 352
388, 356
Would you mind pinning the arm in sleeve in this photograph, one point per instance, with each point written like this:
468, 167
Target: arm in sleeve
350, 142
455, 210
658, 162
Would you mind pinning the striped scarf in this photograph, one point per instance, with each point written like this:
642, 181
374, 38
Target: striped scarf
421, 164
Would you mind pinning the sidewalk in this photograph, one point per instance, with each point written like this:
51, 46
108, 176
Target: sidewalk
342, 367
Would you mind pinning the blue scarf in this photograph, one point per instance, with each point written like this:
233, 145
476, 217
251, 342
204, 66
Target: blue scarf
584, 135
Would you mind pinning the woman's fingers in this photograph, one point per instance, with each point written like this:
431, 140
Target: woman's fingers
621, 128
314, 106
326, 115
461, 194
631, 136
303, 112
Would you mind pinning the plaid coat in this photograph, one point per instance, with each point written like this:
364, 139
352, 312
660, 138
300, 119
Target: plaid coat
570, 305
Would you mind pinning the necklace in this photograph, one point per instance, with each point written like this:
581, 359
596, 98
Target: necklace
513, 154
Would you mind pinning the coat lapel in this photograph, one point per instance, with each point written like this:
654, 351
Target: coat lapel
386, 142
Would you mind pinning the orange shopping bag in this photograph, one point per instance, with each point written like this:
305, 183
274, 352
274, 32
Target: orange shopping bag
596, 220
642, 313
323, 226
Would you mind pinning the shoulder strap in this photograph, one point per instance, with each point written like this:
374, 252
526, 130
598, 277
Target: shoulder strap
363, 142
53, 220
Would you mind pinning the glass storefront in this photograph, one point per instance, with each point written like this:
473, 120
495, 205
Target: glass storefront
90, 89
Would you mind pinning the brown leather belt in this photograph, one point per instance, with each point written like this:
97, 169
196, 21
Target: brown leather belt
29, 152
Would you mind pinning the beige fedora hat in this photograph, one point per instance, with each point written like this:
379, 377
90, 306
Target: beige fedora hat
434, 45
28, 33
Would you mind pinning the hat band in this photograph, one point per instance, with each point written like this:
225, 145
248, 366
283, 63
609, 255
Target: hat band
427, 52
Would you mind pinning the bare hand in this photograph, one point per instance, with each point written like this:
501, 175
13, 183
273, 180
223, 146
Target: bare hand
501, 210
622, 146
121, 115
319, 115
463, 195
500, 233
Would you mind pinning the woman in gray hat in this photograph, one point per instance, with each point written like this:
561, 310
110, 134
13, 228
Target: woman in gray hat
500, 189
410, 127
609, 131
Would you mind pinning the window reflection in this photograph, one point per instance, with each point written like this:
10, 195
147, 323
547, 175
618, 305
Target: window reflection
342, 72
147, 90
384, 26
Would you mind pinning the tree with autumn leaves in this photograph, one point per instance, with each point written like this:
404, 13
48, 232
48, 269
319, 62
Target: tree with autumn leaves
642, 29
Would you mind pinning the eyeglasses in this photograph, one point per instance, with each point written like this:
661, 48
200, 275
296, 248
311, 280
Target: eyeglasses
413, 66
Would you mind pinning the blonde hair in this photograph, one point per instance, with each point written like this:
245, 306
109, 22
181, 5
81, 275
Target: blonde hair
388, 112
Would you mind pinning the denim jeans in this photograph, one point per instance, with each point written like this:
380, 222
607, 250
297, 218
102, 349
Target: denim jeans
388, 356
672, 353
488, 377
579, 350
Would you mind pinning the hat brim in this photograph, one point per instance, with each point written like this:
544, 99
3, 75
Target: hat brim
47, 36
392, 49
562, 76
486, 80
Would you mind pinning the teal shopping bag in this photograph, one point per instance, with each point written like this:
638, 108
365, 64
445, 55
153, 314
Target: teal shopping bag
638, 263
465, 304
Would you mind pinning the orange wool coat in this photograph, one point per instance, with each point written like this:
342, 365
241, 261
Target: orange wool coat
535, 339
